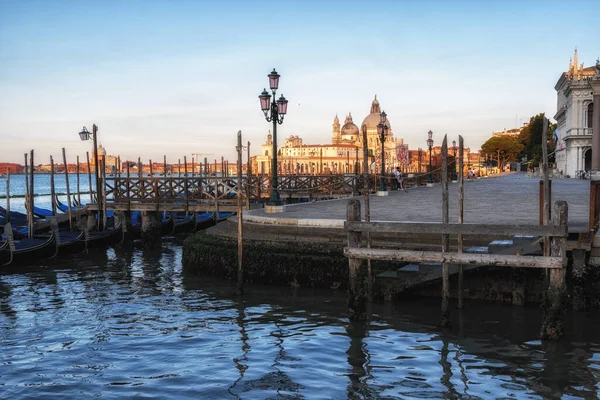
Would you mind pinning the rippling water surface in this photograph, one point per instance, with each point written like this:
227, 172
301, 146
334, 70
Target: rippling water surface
127, 323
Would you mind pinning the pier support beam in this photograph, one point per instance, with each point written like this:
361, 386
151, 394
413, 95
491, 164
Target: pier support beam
125, 218
555, 300
151, 229
358, 296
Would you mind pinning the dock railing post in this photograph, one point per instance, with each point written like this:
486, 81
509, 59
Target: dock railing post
357, 285
555, 299
461, 201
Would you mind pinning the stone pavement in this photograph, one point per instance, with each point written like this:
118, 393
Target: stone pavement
507, 199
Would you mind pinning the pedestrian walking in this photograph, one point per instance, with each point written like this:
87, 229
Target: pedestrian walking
399, 178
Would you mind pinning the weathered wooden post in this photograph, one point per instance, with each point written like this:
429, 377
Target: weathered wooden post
366, 193
8, 195
64, 154
91, 221
31, 195
103, 192
578, 280
445, 237
461, 204
357, 285
555, 301
89, 172
240, 210
78, 184
52, 189
27, 196
546, 210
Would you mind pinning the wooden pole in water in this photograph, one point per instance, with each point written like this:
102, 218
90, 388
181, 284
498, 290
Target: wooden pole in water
555, 304
52, 188
357, 298
64, 154
78, 185
546, 211
8, 195
206, 166
31, 193
240, 210
193, 166
165, 166
150, 167
103, 192
27, 196
366, 196
89, 171
445, 237
179, 168
461, 203
185, 166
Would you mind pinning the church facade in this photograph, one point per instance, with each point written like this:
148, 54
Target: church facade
343, 155
574, 117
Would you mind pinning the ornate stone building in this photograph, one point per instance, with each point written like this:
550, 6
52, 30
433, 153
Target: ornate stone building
343, 155
574, 118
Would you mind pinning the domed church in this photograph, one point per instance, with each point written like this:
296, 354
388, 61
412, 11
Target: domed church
343, 155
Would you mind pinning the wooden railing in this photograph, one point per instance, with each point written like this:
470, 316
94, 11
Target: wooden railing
199, 192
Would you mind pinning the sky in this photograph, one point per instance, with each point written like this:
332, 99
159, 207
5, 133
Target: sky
179, 77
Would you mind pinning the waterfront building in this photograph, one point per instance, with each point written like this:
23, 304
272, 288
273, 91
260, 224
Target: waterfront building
574, 118
510, 132
343, 155
14, 168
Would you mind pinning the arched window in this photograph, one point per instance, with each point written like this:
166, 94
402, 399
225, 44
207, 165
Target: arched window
590, 114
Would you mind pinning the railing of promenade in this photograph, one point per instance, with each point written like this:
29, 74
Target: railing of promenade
180, 192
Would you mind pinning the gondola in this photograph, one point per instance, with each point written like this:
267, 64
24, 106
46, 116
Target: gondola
25, 251
109, 237
42, 212
69, 242
204, 221
15, 216
5, 253
186, 223
222, 216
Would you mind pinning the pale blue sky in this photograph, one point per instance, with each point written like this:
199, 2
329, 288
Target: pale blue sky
181, 77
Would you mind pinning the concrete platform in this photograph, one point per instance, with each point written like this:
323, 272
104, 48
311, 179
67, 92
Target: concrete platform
506, 199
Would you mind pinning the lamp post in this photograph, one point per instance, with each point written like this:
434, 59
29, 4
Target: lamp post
454, 174
382, 130
85, 135
274, 112
430, 145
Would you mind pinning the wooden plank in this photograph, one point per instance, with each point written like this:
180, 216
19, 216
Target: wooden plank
455, 229
495, 260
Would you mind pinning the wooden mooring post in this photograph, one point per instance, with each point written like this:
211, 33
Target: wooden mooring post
64, 154
555, 301
445, 237
357, 286
240, 210
461, 202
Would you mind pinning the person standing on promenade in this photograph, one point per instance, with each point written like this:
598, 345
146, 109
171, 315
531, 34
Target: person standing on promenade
399, 179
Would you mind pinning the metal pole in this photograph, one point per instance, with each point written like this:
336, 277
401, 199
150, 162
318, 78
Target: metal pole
430, 167
274, 200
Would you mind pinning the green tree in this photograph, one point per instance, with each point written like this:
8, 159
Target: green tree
502, 148
531, 139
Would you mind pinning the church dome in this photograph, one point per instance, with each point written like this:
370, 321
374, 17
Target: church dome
349, 128
101, 151
374, 118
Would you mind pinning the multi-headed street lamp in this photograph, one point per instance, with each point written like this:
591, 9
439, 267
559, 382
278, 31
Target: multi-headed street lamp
274, 112
430, 145
85, 135
454, 175
382, 130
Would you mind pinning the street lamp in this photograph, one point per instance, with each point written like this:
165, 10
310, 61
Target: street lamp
430, 145
382, 130
85, 135
454, 175
277, 112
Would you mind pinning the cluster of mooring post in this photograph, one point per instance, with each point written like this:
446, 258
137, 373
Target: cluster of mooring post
554, 261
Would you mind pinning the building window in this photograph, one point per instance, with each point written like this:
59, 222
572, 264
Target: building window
590, 114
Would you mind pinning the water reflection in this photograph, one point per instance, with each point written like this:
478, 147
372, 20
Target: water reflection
126, 322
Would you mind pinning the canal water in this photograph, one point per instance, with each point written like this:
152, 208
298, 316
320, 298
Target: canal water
127, 323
